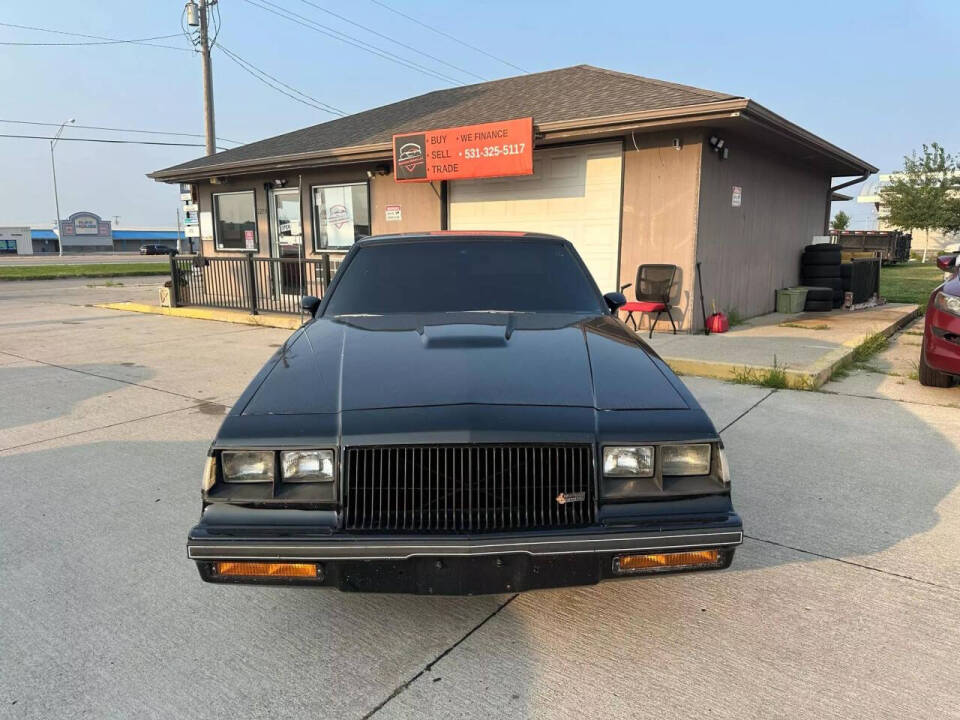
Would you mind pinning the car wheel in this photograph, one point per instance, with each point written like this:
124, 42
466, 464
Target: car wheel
930, 377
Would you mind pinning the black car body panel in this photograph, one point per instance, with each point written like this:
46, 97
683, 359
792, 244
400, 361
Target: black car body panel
492, 384
471, 359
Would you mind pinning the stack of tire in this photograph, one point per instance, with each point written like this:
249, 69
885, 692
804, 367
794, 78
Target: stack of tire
820, 272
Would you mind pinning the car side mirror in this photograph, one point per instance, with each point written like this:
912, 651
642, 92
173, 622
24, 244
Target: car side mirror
947, 263
310, 304
615, 301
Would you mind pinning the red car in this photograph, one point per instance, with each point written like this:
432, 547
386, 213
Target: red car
940, 353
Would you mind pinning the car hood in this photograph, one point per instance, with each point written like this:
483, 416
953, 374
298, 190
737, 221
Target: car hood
364, 363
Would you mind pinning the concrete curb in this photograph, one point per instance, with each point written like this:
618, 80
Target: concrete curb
287, 322
811, 377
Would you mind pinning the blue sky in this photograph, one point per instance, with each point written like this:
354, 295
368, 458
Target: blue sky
876, 78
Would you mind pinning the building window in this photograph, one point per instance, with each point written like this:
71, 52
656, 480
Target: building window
341, 215
235, 221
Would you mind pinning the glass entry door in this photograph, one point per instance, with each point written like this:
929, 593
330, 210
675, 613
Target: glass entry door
286, 232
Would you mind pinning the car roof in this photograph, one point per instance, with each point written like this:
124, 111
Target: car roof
466, 235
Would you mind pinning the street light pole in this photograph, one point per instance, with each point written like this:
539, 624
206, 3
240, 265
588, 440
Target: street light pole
56, 195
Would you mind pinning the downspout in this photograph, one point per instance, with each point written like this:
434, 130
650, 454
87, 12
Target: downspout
831, 191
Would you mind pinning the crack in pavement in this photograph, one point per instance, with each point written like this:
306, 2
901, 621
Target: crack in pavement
886, 399
744, 413
862, 566
110, 425
203, 401
401, 688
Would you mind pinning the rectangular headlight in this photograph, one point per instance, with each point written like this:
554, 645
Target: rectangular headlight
247, 466
628, 461
307, 466
686, 459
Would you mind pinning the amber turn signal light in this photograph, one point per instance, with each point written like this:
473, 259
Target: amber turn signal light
266, 570
663, 561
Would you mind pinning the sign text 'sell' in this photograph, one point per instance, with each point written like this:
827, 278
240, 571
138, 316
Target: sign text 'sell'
494, 149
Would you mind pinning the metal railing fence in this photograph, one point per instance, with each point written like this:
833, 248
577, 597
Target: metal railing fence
256, 284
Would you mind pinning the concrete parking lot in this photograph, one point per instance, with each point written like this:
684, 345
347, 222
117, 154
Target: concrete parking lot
843, 602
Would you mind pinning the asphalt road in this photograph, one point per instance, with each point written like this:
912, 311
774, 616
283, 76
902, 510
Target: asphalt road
842, 603
86, 259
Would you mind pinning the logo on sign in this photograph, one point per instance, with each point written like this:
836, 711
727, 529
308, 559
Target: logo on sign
338, 216
411, 161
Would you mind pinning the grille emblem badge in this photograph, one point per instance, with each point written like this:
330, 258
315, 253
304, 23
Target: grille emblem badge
564, 498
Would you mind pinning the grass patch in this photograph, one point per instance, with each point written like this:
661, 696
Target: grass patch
96, 270
774, 377
909, 282
871, 345
107, 283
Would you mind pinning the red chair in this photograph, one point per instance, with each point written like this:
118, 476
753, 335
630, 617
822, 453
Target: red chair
653, 288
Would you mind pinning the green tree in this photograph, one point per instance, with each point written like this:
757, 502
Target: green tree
841, 221
923, 195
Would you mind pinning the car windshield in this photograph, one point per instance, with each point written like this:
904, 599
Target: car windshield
515, 275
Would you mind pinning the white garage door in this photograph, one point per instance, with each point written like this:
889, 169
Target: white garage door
574, 192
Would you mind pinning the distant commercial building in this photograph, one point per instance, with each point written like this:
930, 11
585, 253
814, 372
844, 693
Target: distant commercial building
86, 232
15, 240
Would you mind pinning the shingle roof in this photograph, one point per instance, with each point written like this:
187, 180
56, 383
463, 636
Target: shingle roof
572, 93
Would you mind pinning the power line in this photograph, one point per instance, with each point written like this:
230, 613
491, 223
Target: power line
448, 35
109, 40
103, 140
257, 73
349, 40
390, 39
113, 129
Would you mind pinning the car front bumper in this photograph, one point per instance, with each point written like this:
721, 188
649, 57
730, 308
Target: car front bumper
942, 341
441, 564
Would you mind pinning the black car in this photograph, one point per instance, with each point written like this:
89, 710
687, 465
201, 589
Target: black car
464, 414
157, 250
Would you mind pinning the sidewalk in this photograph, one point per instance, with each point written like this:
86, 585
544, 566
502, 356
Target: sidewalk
243, 317
808, 346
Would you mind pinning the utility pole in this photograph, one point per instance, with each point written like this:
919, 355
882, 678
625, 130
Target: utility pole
197, 16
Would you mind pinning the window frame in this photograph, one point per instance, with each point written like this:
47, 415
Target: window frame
315, 230
216, 224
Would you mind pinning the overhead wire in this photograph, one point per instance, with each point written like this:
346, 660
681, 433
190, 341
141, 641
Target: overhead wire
394, 41
107, 40
260, 75
448, 35
114, 129
63, 138
349, 40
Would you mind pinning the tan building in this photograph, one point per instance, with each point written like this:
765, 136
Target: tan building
631, 170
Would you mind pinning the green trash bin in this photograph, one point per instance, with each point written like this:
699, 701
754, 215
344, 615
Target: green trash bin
791, 300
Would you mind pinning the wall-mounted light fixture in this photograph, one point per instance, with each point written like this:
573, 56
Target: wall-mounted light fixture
719, 146
378, 170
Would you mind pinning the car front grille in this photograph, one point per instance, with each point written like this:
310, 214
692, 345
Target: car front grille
467, 488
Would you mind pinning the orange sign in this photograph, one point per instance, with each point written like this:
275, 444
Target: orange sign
473, 151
